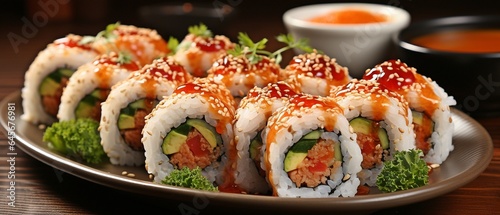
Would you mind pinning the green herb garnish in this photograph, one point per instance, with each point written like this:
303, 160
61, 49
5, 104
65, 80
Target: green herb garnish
406, 170
189, 178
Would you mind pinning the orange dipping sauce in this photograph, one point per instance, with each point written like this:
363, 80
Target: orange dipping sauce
463, 41
349, 16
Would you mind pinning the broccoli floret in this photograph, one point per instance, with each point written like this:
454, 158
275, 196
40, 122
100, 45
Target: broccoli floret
190, 178
406, 170
76, 138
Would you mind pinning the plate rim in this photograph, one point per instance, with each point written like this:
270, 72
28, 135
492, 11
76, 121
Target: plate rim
149, 188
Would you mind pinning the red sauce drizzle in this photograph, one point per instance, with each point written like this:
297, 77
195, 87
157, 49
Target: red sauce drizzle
72, 42
275, 90
171, 71
106, 65
266, 69
112, 59
392, 75
399, 77
209, 44
318, 66
366, 89
133, 40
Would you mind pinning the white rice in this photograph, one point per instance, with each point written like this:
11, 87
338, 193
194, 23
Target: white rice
396, 121
300, 74
121, 95
83, 82
294, 128
251, 118
171, 112
441, 137
46, 62
195, 60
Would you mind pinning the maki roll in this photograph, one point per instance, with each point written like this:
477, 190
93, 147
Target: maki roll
310, 150
140, 44
381, 120
124, 111
429, 103
315, 73
250, 120
191, 128
90, 85
49, 74
200, 48
240, 69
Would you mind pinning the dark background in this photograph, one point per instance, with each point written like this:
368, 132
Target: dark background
87, 17
84, 12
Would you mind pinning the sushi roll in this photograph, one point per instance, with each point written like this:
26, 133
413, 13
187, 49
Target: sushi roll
381, 120
429, 103
124, 111
48, 75
240, 75
140, 44
90, 85
250, 121
242, 68
315, 73
200, 48
191, 128
310, 150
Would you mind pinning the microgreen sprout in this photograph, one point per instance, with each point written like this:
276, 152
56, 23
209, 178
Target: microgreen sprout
106, 34
254, 51
200, 30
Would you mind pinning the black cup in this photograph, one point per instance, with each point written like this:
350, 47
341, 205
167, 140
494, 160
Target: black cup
472, 79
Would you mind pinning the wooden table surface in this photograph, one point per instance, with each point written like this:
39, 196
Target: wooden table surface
42, 189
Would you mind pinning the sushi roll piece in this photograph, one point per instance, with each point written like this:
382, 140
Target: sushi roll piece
241, 69
129, 102
381, 120
310, 151
250, 121
315, 73
429, 103
200, 48
90, 85
49, 74
141, 44
191, 128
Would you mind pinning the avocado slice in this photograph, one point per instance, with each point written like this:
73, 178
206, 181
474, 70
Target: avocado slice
126, 121
138, 104
98, 94
361, 125
48, 87
255, 146
175, 138
422, 119
66, 72
368, 127
206, 130
297, 153
83, 110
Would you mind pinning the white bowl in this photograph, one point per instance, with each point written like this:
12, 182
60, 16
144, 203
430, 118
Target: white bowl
355, 46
